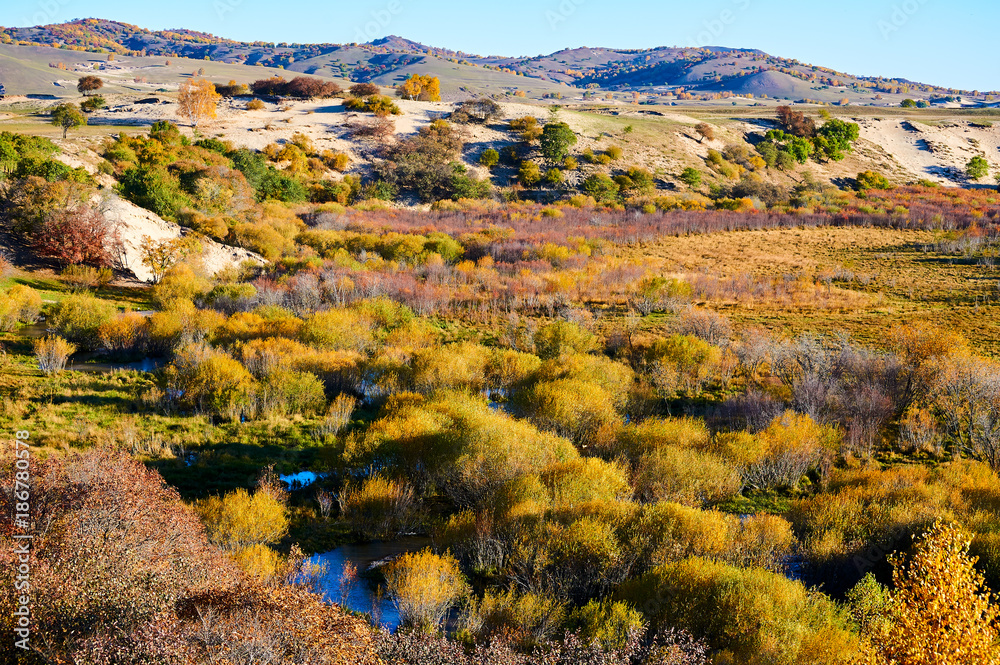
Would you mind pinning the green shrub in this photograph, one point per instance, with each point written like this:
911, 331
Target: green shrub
78, 318
556, 339
754, 615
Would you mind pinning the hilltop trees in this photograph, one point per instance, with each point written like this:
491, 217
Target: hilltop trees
89, 84
68, 116
197, 100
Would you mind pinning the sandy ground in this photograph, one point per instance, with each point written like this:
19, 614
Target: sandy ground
904, 150
935, 152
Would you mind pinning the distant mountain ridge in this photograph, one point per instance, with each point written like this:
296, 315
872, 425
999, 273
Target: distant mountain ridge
713, 70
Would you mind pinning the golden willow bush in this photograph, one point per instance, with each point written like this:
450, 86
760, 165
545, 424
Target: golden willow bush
19, 305
424, 586
868, 506
748, 615
460, 443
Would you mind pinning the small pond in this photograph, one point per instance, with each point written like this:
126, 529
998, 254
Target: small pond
365, 556
93, 362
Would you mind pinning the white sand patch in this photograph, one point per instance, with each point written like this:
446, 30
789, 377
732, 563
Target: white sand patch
134, 223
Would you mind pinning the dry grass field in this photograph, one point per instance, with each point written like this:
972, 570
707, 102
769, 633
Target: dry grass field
866, 280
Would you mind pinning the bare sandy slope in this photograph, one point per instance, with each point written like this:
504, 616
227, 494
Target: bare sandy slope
134, 224
936, 152
904, 150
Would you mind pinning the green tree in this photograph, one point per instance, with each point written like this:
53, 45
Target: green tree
68, 116
556, 140
977, 168
601, 187
691, 177
529, 174
554, 177
489, 158
835, 138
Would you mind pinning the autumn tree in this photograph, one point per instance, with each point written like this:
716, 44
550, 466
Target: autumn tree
161, 255
79, 235
941, 612
424, 586
197, 100
52, 354
68, 116
482, 109
89, 84
796, 123
364, 90
421, 87
705, 130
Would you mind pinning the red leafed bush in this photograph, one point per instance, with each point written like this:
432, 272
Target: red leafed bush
77, 236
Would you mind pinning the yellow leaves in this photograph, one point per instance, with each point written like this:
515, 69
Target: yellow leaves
339, 330
381, 508
123, 333
584, 480
52, 353
941, 612
423, 87
19, 304
197, 100
424, 585
241, 520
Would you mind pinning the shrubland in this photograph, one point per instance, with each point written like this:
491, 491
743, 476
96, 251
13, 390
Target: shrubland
619, 457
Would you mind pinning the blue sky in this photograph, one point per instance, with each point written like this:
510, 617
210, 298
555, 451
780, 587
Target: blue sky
932, 41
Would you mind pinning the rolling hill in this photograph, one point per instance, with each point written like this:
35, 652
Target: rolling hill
660, 75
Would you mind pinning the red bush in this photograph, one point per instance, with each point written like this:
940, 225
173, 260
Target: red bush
77, 236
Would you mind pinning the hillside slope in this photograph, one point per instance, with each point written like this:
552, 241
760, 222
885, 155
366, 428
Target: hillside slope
708, 72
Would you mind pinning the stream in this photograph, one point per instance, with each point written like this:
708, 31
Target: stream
93, 362
363, 596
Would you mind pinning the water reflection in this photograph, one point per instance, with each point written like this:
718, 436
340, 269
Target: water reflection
363, 596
